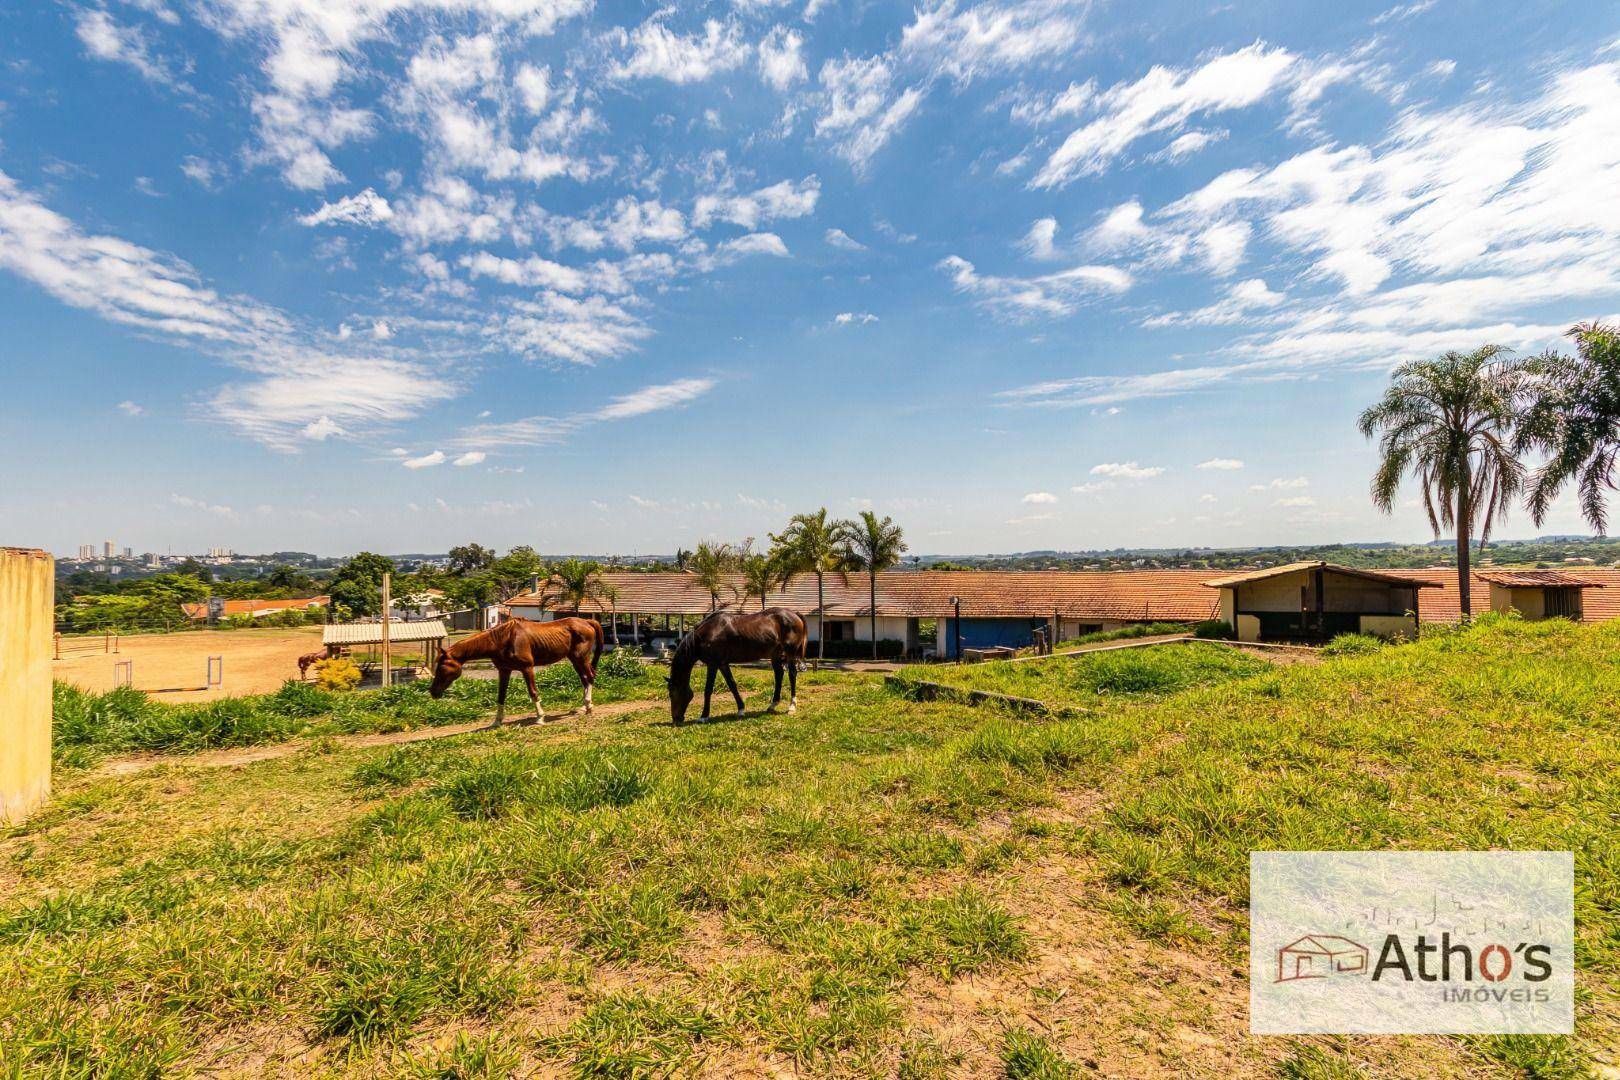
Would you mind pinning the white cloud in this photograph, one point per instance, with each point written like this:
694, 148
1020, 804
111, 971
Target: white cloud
1163, 99
1246, 301
381, 331
838, 238
426, 461
532, 272
784, 200
755, 244
366, 208
1039, 498
471, 457
1222, 246
1223, 464
781, 58
546, 430
656, 52
861, 110
188, 503
579, 330
1127, 470
992, 36
1295, 501
203, 172
105, 39
1187, 144
855, 318
1037, 242
321, 429
1052, 295
130, 408
1282, 483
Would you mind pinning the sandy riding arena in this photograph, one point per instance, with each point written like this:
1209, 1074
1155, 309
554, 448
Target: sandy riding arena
256, 661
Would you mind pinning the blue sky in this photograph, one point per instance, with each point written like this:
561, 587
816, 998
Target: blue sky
398, 274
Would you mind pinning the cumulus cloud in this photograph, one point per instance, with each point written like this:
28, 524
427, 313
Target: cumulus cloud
854, 318
367, 208
1038, 498
130, 408
1037, 242
785, 200
781, 58
1052, 295
471, 457
1127, 470
988, 37
838, 238
1223, 464
426, 461
657, 52
104, 38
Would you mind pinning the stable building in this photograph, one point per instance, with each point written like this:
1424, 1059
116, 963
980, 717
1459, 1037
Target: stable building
1537, 594
1317, 601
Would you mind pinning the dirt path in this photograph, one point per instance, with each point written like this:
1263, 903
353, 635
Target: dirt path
247, 755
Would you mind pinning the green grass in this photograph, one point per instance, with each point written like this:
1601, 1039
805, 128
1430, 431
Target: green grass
1090, 679
874, 887
88, 725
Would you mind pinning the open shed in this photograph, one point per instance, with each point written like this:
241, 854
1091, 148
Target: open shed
1316, 601
428, 634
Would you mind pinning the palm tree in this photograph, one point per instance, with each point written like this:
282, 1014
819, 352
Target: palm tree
711, 564
871, 546
609, 595
761, 571
809, 545
1574, 418
572, 583
1451, 422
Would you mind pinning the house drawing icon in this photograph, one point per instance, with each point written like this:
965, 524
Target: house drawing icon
1316, 956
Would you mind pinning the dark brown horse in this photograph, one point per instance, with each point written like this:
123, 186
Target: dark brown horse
522, 645
724, 638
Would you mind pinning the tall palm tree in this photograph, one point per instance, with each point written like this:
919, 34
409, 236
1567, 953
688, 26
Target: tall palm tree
809, 545
610, 596
1451, 423
711, 564
572, 583
871, 546
1574, 418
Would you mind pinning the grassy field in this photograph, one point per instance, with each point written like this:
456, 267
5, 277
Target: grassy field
874, 887
1093, 679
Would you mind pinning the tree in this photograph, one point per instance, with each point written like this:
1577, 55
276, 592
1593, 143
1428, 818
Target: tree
1574, 418
682, 557
358, 583
516, 571
194, 568
572, 583
761, 572
871, 546
470, 558
1451, 423
809, 546
710, 564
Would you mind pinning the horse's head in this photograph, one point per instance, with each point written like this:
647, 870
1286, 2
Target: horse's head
445, 672
680, 696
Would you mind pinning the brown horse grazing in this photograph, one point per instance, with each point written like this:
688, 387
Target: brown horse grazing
775, 634
522, 645
309, 660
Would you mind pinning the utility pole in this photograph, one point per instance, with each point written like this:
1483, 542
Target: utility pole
387, 653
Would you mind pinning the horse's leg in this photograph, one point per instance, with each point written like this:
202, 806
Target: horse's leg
725, 669
776, 669
793, 685
534, 695
708, 688
587, 678
500, 699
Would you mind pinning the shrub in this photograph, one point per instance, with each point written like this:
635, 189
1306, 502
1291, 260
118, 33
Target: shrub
619, 664
1214, 630
1352, 645
337, 674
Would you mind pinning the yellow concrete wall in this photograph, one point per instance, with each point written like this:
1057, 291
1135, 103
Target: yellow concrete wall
1229, 607
27, 591
1248, 628
1273, 594
1530, 603
1389, 626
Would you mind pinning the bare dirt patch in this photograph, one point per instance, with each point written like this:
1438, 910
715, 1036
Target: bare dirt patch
174, 667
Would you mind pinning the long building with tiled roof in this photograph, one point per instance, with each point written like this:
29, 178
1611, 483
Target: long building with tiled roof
1004, 607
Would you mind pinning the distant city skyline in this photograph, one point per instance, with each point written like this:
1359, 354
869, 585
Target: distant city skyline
1023, 274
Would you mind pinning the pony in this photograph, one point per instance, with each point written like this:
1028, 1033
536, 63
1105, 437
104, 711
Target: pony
523, 645
775, 634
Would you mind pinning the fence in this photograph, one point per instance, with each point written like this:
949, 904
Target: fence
27, 590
